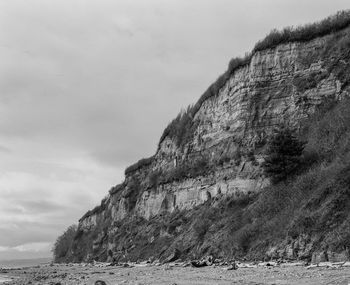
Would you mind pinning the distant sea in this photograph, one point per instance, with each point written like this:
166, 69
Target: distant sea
18, 263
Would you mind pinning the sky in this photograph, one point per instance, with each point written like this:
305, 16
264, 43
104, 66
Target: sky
87, 87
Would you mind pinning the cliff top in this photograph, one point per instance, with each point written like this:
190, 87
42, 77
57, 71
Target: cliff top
180, 129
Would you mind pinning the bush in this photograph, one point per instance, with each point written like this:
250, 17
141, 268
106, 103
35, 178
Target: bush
238, 62
154, 178
141, 163
181, 128
199, 167
283, 156
304, 83
63, 244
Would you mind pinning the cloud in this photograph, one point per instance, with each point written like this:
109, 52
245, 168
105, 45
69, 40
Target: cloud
33, 247
28, 248
4, 248
4, 149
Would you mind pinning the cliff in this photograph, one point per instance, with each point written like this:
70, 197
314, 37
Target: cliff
209, 158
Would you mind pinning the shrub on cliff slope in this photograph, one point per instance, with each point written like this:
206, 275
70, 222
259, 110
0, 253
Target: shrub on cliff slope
63, 245
283, 156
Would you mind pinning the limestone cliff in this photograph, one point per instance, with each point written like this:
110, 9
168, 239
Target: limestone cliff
223, 150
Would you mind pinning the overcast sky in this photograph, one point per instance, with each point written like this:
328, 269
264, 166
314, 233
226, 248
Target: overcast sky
87, 87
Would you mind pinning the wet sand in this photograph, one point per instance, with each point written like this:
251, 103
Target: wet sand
179, 275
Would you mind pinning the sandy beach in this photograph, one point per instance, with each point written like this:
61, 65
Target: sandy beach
172, 274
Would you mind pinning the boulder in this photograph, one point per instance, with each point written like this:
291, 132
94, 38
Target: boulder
100, 282
173, 256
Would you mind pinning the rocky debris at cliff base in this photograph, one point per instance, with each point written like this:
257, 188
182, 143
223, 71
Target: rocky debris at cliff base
329, 265
234, 266
101, 264
156, 275
288, 264
207, 261
210, 261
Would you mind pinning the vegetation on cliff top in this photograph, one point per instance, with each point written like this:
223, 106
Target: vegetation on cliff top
139, 164
305, 33
182, 127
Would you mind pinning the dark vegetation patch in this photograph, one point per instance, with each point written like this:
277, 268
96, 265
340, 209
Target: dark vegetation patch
310, 81
283, 156
62, 247
117, 188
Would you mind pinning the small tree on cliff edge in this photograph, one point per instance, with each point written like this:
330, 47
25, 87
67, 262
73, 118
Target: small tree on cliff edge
283, 155
63, 244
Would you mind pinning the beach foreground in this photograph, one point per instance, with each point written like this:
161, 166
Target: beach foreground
179, 274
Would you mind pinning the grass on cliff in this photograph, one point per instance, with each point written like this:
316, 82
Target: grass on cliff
305, 33
181, 129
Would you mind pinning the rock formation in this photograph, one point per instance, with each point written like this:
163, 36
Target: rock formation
220, 155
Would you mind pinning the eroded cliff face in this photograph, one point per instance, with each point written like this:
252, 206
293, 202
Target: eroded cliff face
230, 132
